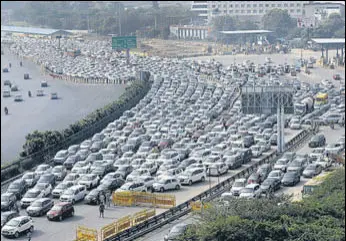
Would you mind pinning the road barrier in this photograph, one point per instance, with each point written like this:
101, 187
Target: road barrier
86, 234
197, 205
125, 223
143, 198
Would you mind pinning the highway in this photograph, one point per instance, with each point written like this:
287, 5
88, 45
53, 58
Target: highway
88, 216
331, 136
40, 113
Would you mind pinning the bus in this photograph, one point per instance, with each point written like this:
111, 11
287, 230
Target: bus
311, 185
320, 99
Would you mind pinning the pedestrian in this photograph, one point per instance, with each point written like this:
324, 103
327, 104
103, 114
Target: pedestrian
10, 65
28, 235
102, 209
108, 198
102, 197
6, 111
20, 63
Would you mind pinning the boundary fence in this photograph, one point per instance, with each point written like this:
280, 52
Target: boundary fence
143, 198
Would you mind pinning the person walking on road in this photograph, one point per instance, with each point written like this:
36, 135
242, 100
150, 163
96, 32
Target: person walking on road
108, 199
28, 235
102, 209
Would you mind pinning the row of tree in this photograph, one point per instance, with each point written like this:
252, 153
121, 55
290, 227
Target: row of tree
319, 217
103, 19
41, 145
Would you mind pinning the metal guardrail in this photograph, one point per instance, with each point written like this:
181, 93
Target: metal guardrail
184, 208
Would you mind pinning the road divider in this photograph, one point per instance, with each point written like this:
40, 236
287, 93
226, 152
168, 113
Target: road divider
143, 198
86, 234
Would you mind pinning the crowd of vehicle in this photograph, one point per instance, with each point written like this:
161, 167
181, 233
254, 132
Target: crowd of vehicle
184, 130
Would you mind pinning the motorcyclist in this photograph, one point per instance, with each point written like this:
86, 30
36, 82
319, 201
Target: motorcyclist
20, 63
29, 93
6, 110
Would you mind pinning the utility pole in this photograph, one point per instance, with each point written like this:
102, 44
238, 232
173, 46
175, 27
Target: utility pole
119, 19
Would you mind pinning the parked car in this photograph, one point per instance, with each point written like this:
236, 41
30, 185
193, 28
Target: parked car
277, 174
89, 180
7, 216
30, 178
166, 183
54, 96
111, 184
17, 226
18, 188
318, 140
237, 186
250, 191
60, 211
71, 160
264, 170
18, 98
290, 179
93, 197
312, 170
217, 169
40, 207
270, 185
255, 178
43, 168
39, 93
133, 186
60, 188
7, 201
30, 196
178, 232
192, 175
60, 157
59, 172
46, 188
281, 164
73, 194
334, 148
47, 178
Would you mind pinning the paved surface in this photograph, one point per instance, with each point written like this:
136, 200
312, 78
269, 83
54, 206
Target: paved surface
41, 113
331, 136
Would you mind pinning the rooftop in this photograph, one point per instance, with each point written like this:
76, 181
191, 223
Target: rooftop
246, 31
329, 40
30, 30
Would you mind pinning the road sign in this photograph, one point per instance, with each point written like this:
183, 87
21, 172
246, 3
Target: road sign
124, 42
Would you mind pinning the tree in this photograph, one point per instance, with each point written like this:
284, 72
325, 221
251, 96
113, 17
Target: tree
278, 21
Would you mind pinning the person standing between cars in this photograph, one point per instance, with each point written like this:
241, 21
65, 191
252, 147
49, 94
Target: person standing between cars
10, 65
20, 63
108, 199
102, 209
102, 197
29, 236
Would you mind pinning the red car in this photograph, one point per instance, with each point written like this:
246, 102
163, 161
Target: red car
336, 77
60, 211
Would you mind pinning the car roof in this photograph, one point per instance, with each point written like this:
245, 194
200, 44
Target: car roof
7, 194
20, 218
252, 185
240, 180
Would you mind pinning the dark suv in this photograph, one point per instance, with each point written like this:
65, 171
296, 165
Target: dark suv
60, 211
317, 141
18, 187
7, 201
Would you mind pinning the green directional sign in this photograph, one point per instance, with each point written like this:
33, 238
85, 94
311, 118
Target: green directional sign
124, 42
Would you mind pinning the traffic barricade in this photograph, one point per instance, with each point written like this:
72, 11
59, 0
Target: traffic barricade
139, 217
109, 231
123, 198
197, 206
84, 233
164, 201
124, 223
144, 198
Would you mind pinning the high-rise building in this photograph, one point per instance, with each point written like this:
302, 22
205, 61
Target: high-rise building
206, 10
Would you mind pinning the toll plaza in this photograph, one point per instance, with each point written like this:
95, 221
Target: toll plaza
328, 44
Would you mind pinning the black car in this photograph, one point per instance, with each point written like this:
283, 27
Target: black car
7, 216
60, 211
71, 160
111, 185
40, 207
290, 179
270, 185
47, 178
18, 187
7, 201
93, 197
246, 154
317, 141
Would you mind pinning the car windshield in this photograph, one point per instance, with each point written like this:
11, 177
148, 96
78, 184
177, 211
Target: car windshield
32, 194
238, 184
56, 208
69, 192
94, 192
13, 223
60, 154
310, 167
247, 190
290, 174
36, 204
28, 176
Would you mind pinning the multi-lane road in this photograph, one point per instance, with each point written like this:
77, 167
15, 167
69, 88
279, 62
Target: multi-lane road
331, 136
41, 113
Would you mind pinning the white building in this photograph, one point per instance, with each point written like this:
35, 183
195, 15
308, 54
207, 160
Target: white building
248, 9
189, 32
321, 11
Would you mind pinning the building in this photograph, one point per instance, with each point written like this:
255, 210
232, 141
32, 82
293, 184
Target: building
189, 32
321, 11
253, 10
34, 32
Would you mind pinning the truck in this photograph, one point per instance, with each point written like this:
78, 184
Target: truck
304, 106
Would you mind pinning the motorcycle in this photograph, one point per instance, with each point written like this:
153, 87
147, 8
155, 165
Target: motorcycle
6, 111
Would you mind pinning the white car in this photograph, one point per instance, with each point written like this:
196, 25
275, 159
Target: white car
72, 177
256, 151
133, 186
148, 181
89, 180
237, 186
74, 194
18, 98
137, 173
317, 153
334, 148
39, 93
53, 96
150, 166
166, 183
42, 169
281, 164
264, 145
250, 191
217, 169
277, 174
46, 188
60, 188
17, 226
295, 125
30, 196
192, 175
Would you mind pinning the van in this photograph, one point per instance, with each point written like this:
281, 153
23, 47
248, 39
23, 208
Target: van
246, 155
234, 161
248, 141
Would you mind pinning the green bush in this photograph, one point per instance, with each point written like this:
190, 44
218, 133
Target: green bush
10, 172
